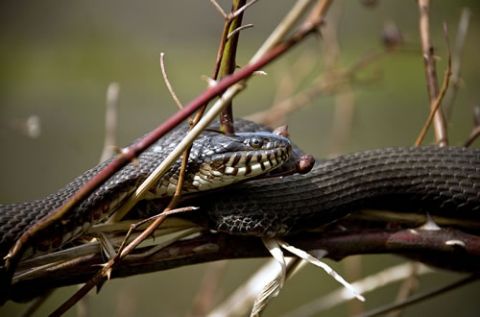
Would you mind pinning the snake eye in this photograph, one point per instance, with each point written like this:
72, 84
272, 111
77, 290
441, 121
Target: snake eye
255, 143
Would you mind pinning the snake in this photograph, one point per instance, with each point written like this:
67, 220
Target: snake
215, 160
443, 180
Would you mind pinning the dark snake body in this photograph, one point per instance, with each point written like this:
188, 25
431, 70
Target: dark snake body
433, 179
441, 181
17, 218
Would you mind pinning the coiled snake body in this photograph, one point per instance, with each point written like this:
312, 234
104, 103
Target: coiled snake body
215, 160
433, 179
440, 181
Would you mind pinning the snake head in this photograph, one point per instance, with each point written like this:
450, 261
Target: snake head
229, 159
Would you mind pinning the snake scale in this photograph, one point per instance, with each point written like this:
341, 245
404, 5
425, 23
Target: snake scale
438, 180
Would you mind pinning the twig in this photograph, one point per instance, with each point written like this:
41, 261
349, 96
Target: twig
422, 297
239, 29
241, 9
228, 63
167, 82
473, 136
430, 72
219, 8
110, 121
166, 212
435, 108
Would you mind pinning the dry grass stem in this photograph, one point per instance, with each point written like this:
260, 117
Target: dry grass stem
167, 82
238, 30
435, 108
428, 51
219, 8
240, 10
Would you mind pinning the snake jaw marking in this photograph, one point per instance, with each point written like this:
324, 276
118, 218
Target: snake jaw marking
248, 155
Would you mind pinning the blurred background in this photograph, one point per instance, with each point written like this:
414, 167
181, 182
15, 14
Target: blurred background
58, 57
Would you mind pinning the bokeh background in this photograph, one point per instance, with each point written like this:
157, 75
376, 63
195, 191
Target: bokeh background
58, 57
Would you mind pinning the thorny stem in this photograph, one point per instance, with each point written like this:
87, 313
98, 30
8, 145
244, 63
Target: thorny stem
212, 247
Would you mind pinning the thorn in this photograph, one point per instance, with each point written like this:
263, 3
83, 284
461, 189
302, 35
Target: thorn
430, 224
456, 243
210, 81
108, 273
260, 73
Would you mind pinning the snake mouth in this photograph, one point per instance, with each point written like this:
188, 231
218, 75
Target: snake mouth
255, 163
235, 167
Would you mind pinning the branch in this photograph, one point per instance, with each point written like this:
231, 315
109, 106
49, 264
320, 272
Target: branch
448, 248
